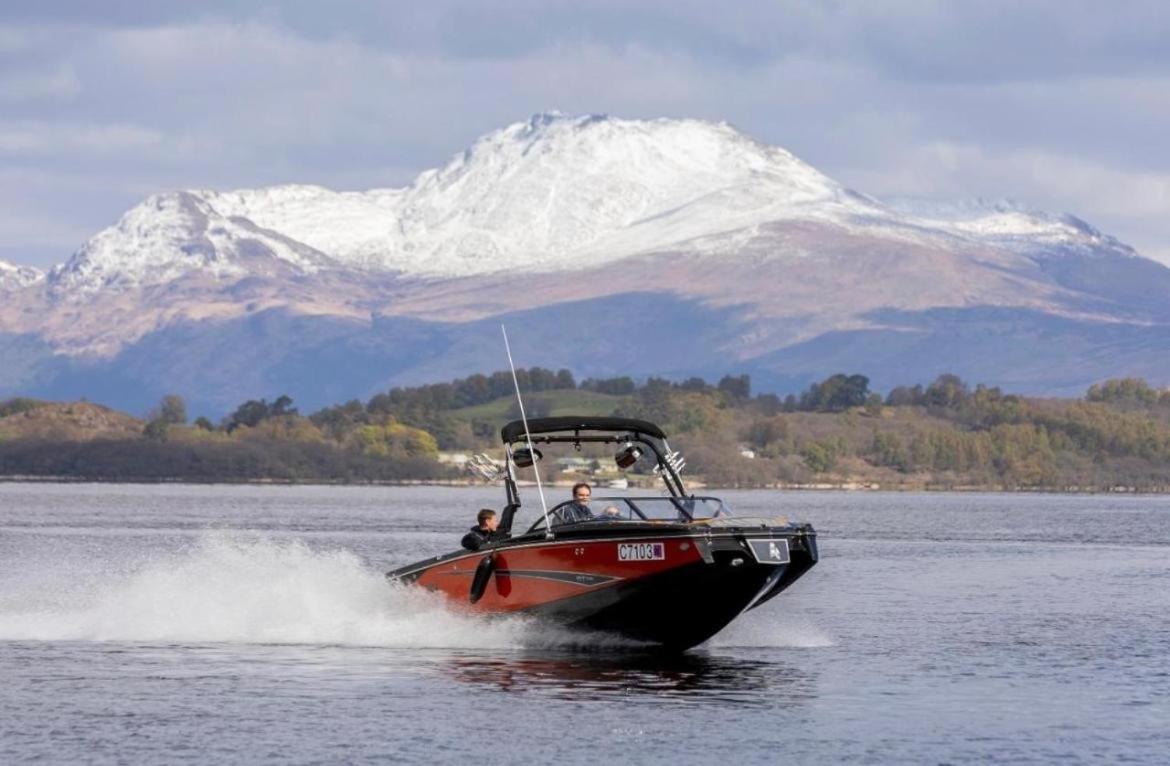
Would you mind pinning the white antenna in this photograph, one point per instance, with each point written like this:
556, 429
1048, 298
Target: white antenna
527, 436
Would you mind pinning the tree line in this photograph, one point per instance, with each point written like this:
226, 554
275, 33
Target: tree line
942, 433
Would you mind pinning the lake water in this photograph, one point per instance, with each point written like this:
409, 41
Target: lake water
153, 624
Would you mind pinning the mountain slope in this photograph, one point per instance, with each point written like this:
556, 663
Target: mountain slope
619, 238
553, 193
171, 235
548, 194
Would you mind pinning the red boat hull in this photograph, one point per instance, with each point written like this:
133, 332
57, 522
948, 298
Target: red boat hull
676, 588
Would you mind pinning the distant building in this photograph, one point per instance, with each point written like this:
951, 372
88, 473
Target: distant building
576, 463
457, 459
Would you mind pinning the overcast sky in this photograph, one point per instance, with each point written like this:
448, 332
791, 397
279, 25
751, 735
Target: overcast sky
1062, 105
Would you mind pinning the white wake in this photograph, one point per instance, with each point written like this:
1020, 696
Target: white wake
231, 588
249, 589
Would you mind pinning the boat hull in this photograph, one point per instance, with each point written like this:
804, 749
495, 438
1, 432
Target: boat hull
669, 585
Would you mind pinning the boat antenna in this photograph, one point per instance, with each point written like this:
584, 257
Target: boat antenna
527, 436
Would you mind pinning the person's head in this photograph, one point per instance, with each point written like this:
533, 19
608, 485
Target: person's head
487, 519
611, 510
582, 493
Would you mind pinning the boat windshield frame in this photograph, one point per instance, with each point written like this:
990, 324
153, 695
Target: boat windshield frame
578, 430
639, 510
599, 430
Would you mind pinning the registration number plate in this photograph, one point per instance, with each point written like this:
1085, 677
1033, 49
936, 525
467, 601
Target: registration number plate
641, 552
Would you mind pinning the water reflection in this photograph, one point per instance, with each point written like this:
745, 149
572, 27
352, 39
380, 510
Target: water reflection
682, 679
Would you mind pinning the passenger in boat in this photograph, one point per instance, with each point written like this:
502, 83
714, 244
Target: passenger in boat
610, 512
484, 532
578, 510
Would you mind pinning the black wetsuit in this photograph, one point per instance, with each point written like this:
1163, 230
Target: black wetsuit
477, 538
574, 512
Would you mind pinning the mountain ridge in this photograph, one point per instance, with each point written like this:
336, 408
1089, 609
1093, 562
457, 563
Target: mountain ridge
501, 205
571, 216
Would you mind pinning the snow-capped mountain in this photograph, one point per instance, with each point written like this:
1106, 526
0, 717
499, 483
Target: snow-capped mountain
170, 235
624, 247
549, 194
13, 277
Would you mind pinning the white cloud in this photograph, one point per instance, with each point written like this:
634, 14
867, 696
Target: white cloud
39, 231
58, 84
12, 40
43, 138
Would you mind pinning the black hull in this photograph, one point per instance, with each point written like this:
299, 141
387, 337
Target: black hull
679, 609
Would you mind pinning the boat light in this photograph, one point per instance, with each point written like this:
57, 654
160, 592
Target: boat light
627, 455
524, 458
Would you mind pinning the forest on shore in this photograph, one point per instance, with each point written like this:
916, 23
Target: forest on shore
945, 434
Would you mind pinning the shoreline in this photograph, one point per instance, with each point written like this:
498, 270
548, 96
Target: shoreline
842, 486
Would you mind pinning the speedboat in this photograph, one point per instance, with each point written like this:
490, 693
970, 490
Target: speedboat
670, 570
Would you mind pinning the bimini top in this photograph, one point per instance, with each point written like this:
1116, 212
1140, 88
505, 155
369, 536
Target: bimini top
514, 431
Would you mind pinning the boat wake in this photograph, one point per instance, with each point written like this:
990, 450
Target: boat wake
762, 629
247, 589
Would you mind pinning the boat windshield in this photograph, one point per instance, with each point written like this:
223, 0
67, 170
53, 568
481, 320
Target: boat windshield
618, 509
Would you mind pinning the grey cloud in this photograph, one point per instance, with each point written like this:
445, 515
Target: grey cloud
919, 40
59, 83
1006, 41
356, 95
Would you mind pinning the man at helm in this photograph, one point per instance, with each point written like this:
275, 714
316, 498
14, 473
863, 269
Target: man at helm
578, 510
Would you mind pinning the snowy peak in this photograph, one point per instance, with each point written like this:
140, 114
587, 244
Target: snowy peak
1009, 224
559, 192
13, 277
654, 154
552, 193
171, 235
354, 229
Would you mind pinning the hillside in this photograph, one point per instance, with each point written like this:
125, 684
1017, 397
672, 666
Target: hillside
943, 435
29, 419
